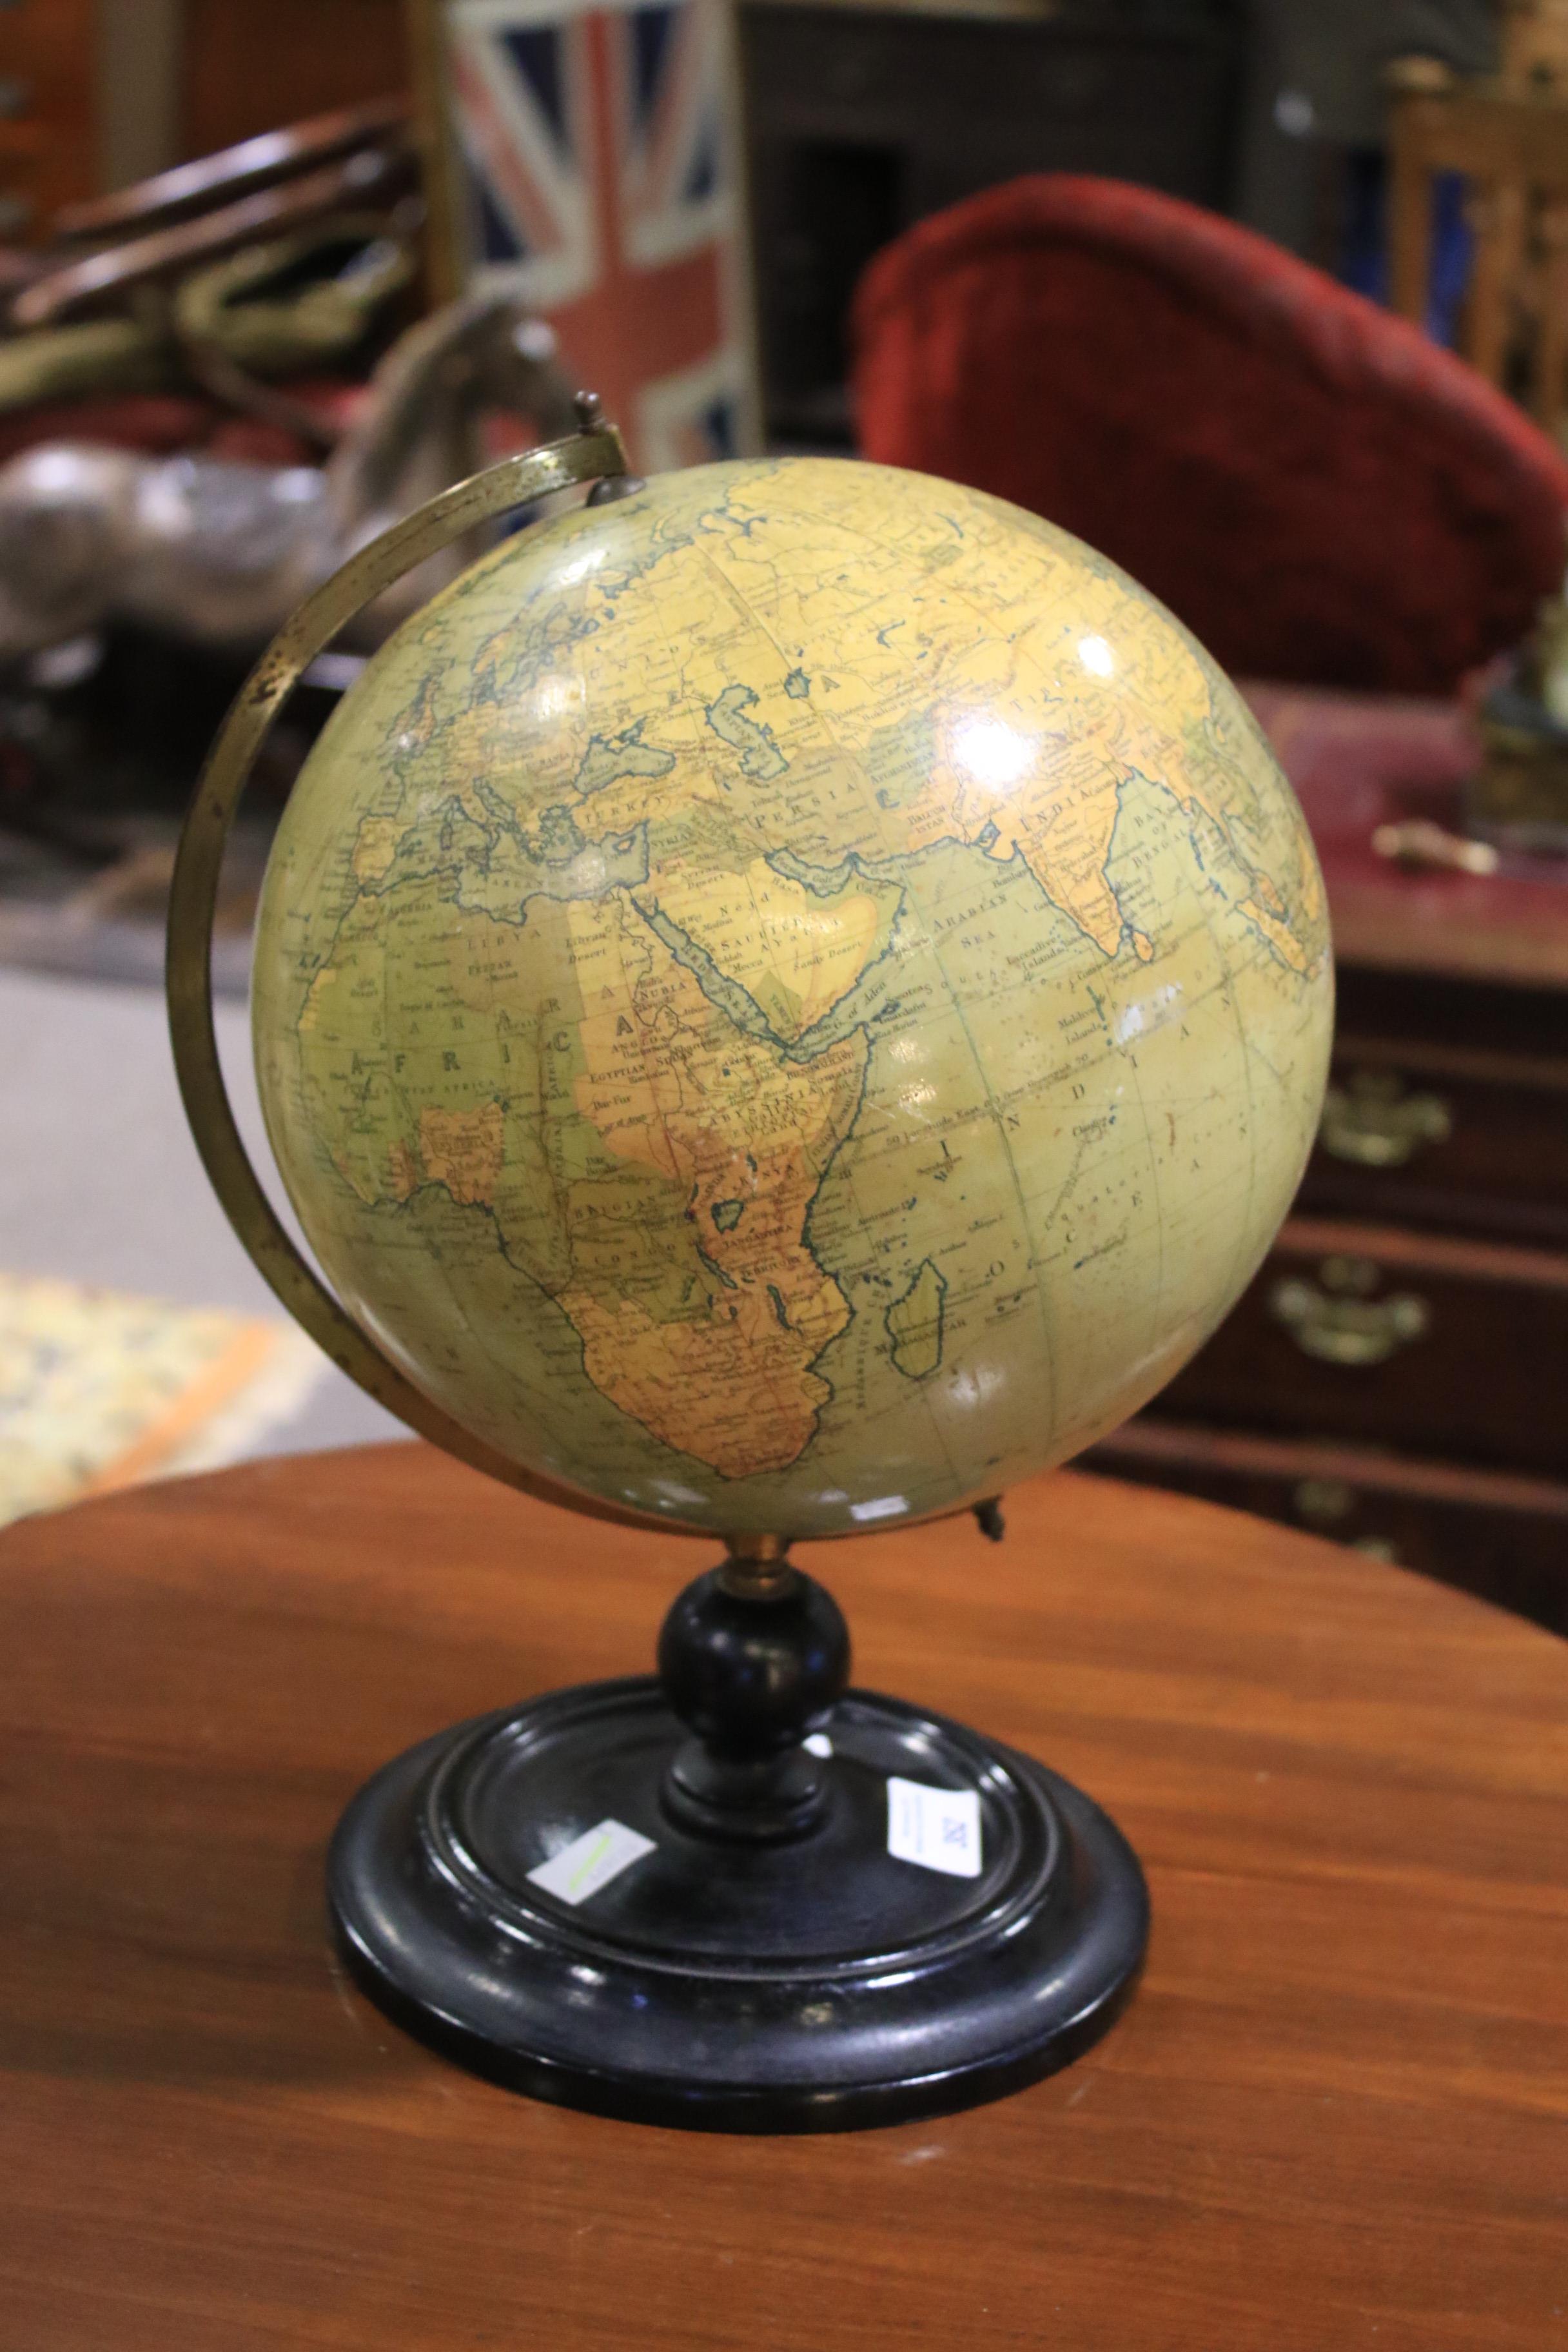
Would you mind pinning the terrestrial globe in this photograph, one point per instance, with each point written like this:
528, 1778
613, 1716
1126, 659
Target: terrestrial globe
792, 1000
786, 999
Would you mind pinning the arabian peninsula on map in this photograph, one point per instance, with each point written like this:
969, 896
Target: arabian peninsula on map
792, 1000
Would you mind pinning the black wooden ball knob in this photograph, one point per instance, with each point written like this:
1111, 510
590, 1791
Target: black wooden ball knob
751, 1676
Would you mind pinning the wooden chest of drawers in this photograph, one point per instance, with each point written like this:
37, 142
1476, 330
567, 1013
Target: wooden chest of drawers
1397, 1374
1414, 1341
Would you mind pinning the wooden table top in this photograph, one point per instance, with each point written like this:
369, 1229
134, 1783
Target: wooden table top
1333, 2118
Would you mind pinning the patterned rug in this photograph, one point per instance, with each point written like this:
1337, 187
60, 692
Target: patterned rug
97, 1390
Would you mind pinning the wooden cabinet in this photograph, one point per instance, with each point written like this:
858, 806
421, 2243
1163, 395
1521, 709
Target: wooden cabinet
48, 112
248, 69
1396, 1376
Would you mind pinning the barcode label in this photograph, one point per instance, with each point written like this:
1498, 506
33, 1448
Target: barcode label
590, 1862
937, 1828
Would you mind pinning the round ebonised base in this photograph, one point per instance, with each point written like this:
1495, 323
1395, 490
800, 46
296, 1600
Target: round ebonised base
804, 1982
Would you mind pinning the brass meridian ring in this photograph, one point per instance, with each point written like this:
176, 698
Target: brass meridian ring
594, 455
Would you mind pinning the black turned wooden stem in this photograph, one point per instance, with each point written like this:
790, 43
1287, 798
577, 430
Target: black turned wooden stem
753, 1658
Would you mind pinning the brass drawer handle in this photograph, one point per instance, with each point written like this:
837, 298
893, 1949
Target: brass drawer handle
1338, 1323
1372, 1122
1324, 1503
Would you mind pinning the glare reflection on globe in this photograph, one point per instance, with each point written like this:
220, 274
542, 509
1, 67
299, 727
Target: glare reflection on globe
793, 1000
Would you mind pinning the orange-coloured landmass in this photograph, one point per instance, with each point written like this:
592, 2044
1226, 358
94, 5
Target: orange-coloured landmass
1311, 881
375, 848
1050, 797
1042, 781
462, 1149
668, 1081
732, 1390
1278, 934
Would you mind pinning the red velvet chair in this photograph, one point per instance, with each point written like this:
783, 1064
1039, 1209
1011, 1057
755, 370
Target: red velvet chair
1318, 491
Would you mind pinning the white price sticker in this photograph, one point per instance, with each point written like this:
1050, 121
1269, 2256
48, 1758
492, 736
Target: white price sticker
938, 1828
590, 1862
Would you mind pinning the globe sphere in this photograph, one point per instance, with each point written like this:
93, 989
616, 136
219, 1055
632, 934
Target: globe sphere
793, 1000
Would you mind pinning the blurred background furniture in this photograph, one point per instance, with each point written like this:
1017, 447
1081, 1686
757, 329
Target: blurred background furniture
95, 94
260, 283
1533, 43
1315, 488
862, 121
865, 119
1310, 163
1509, 139
239, 69
49, 151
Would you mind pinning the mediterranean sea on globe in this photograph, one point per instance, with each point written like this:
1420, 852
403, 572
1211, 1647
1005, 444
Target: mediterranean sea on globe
791, 1000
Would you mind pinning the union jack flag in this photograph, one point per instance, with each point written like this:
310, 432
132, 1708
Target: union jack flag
598, 150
